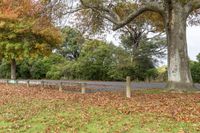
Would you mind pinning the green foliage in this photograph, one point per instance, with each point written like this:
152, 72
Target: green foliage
71, 47
95, 59
146, 50
23, 69
28, 34
93, 63
56, 71
120, 65
195, 71
162, 73
99, 61
78, 58
41, 66
152, 74
198, 57
4, 70
34, 68
27, 39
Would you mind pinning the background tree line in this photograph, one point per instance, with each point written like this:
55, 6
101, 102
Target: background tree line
91, 59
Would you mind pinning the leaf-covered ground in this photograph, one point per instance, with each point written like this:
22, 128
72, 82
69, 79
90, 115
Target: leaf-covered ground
31, 109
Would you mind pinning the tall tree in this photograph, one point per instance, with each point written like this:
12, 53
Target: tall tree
72, 43
151, 49
174, 14
136, 31
24, 32
95, 59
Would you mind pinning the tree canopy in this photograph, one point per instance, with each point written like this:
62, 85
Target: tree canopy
72, 43
24, 31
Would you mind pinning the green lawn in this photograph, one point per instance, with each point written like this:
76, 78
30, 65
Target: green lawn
33, 115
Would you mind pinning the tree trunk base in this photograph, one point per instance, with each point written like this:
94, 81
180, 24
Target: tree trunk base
181, 87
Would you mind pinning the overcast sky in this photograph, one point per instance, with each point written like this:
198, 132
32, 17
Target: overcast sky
193, 39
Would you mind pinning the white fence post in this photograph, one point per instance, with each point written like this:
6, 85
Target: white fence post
28, 83
60, 87
128, 86
42, 84
83, 88
7, 82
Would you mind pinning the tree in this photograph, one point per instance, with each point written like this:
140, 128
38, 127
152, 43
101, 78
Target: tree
71, 47
95, 60
24, 32
198, 57
174, 14
40, 67
4, 69
94, 63
146, 49
134, 33
195, 69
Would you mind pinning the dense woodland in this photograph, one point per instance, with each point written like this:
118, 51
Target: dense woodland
34, 46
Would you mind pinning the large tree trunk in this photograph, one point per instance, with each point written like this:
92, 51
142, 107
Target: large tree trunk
13, 69
179, 75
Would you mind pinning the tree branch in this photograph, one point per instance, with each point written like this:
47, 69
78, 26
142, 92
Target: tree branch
154, 7
113, 16
72, 11
115, 19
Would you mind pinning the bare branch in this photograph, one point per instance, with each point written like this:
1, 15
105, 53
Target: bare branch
72, 11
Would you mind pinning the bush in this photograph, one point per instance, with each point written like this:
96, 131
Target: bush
195, 71
152, 74
4, 70
56, 72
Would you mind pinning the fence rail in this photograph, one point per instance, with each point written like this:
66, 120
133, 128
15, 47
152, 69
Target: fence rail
61, 85
88, 86
65, 85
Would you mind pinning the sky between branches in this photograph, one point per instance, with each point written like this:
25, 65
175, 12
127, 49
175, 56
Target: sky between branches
193, 39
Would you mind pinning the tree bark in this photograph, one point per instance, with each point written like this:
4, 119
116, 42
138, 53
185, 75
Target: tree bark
179, 75
13, 69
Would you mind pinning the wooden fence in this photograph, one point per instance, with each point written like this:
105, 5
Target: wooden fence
81, 87
46, 83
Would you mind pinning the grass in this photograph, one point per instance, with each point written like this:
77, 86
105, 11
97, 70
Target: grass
39, 114
58, 116
149, 91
